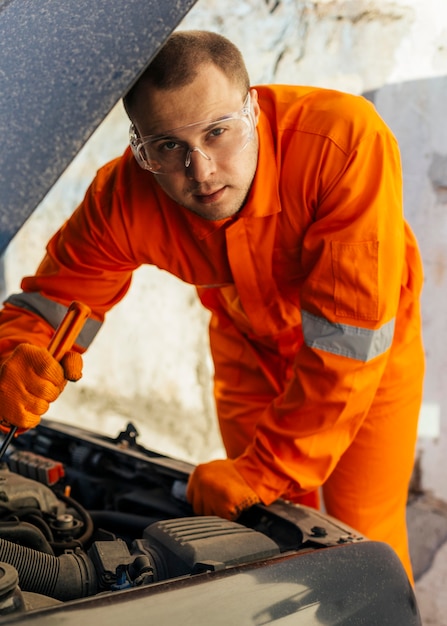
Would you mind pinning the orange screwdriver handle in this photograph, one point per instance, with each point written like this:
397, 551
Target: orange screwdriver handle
68, 330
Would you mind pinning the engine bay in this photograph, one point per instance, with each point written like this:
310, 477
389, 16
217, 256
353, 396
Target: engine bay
82, 514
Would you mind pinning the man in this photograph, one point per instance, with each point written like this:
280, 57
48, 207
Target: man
283, 205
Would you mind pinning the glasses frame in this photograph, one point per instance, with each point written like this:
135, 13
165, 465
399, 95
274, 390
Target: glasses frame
138, 143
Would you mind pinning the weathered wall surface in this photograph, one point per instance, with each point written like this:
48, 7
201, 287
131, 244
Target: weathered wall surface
150, 362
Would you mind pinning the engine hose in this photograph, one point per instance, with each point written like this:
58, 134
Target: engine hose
64, 577
25, 534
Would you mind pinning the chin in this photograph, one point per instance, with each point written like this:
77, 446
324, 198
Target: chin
213, 213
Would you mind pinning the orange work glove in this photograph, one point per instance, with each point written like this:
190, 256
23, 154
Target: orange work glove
217, 488
29, 380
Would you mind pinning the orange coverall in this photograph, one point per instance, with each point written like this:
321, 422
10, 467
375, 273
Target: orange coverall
314, 292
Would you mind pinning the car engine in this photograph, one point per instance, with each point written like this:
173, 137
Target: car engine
82, 515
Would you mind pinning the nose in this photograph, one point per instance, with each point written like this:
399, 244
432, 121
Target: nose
199, 166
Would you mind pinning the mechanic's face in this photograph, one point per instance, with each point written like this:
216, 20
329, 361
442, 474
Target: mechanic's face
211, 182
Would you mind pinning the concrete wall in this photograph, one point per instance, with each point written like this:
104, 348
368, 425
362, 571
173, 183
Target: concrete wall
150, 362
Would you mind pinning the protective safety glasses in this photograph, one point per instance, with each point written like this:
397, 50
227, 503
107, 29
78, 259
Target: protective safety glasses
216, 140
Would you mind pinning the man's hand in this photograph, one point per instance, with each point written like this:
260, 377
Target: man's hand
217, 488
29, 380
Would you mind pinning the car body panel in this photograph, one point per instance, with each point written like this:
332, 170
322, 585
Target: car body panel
327, 587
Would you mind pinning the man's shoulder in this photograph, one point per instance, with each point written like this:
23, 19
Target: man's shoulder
341, 117
313, 101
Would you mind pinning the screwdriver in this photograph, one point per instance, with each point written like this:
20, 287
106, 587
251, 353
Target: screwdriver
61, 342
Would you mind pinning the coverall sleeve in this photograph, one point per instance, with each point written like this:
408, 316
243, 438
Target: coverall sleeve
353, 260
89, 259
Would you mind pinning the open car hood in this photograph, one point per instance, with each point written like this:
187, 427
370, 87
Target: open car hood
63, 65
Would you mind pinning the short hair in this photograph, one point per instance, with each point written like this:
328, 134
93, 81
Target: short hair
176, 64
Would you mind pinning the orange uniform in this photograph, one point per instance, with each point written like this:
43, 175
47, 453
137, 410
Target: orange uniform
314, 291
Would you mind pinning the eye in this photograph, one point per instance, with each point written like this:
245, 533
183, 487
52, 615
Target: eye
217, 132
168, 146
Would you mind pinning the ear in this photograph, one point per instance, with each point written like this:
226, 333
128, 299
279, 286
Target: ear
255, 104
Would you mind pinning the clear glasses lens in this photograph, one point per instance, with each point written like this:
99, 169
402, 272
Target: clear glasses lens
218, 140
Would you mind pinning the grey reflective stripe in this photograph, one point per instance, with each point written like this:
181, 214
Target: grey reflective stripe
351, 341
53, 312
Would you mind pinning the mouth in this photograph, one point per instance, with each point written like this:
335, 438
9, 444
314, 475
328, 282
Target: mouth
209, 198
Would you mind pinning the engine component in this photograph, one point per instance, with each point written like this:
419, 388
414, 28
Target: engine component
110, 558
33, 515
18, 492
11, 598
25, 534
66, 577
36, 467
196, 544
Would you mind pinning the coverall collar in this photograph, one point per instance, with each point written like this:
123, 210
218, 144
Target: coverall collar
263, 198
